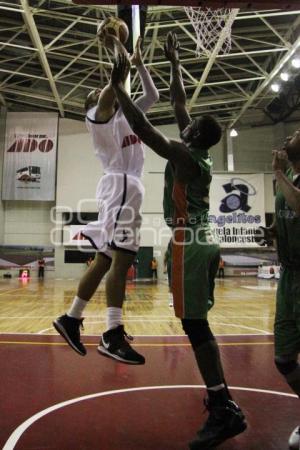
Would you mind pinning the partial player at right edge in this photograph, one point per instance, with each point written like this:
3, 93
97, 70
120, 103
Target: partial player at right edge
286, 230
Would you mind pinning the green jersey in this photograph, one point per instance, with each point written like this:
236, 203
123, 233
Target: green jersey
188, 203
287, 228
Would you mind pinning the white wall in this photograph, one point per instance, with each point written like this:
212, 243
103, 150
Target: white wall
252, 149
290, 128
27, 223
253, 146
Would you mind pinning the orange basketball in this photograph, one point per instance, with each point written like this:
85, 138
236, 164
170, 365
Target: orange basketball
115, 26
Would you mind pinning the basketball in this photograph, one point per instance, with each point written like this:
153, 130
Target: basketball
115, 26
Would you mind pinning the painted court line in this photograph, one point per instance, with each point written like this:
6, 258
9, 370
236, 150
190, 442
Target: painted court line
19, 431
43, 331
241, 326
12, 333
103, 317
145, 344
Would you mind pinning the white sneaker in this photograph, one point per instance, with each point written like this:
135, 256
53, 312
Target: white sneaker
294, 440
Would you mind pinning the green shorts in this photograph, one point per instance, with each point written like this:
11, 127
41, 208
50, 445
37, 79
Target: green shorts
287, 318
195, 261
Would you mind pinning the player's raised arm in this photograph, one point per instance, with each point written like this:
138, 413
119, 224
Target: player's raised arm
106, 100
150, 93
164, 147
177, 91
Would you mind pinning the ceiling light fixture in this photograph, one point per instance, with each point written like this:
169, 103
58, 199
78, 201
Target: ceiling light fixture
275, 87
284, 76
296, 63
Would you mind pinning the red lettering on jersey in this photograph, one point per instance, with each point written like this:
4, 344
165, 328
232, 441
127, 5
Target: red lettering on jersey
125, 142
130, 140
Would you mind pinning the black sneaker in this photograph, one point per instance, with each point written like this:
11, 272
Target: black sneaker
224, 422
68, 328
113, 343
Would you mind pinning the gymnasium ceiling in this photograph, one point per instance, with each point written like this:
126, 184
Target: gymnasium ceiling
50, 59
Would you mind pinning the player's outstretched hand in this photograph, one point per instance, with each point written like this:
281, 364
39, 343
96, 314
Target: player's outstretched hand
120, 69
136, 58
171, 47
280, 160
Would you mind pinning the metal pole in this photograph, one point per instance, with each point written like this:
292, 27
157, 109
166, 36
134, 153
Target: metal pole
136, 30
229, 148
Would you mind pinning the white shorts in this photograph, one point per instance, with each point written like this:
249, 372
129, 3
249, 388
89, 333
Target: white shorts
119, 221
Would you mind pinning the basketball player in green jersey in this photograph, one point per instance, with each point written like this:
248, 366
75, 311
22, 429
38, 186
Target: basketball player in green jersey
195, 252
286, 229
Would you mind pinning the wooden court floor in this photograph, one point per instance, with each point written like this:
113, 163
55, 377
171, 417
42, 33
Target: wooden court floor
54, 399
243, 306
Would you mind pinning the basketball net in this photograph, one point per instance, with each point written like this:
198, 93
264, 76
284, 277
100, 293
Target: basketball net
212, 28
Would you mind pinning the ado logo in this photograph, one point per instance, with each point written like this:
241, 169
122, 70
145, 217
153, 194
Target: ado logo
31, 143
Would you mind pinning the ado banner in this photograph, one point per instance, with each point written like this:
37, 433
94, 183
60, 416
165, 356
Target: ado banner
237, 208
30, 156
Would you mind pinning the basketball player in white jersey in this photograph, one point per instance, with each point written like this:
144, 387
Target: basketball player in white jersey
115, 235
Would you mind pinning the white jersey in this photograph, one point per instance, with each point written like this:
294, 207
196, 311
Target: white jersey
116, 145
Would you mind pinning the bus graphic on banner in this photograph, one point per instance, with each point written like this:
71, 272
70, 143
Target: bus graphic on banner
29, 173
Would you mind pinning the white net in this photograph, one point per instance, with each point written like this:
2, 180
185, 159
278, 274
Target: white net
212, 28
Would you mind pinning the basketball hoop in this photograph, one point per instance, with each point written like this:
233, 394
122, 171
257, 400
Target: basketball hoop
212, 28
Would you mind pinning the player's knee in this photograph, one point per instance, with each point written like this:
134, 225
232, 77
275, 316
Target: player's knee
121, 263
198, 331
285, 367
